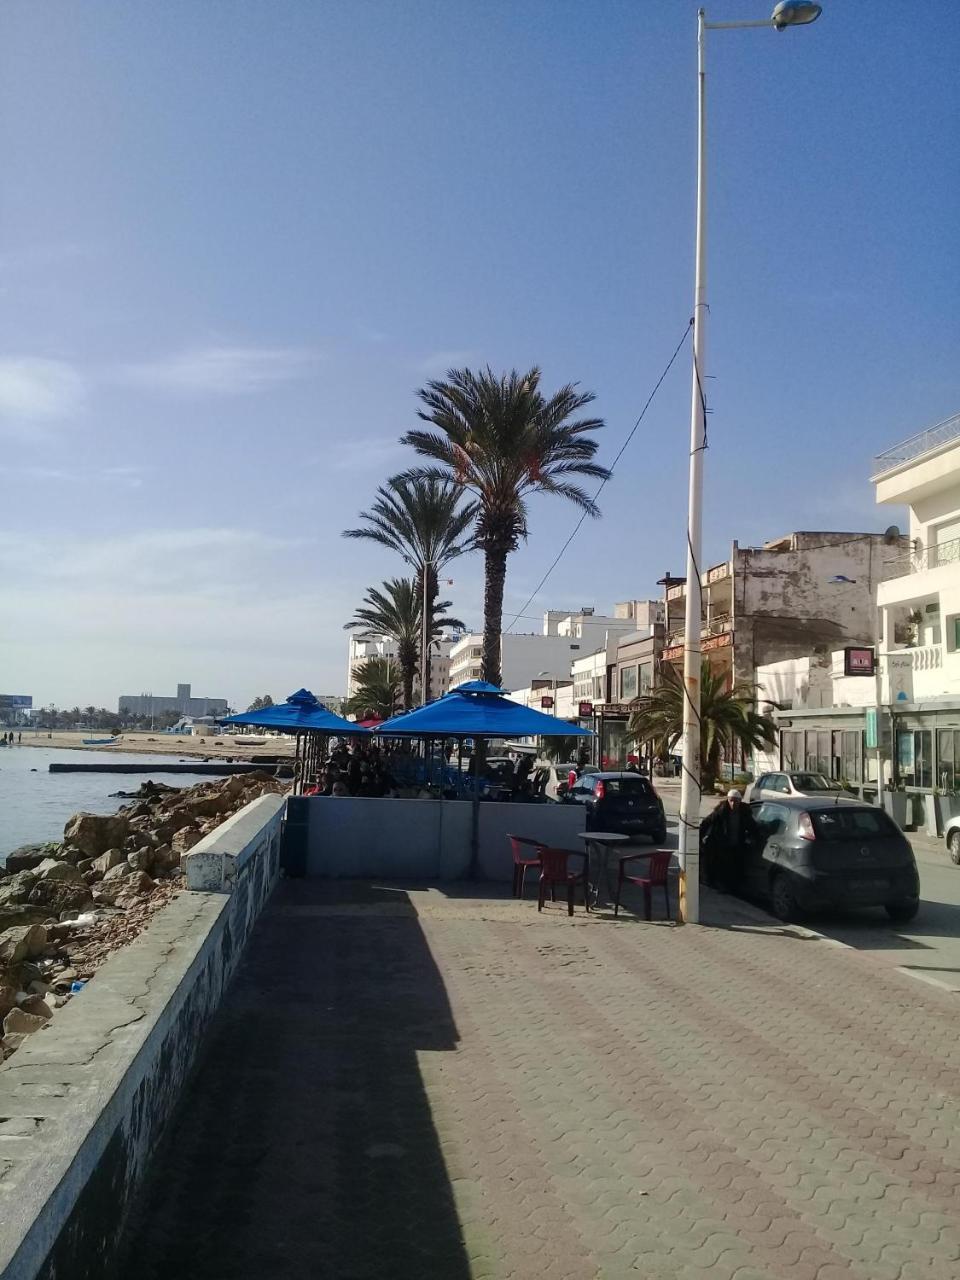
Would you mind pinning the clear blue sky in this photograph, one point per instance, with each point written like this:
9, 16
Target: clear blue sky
236, 236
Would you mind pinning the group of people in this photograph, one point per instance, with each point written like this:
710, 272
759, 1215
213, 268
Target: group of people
357, 770
6, 739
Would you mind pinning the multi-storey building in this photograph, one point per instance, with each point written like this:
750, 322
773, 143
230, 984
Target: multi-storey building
364, 645
149, 704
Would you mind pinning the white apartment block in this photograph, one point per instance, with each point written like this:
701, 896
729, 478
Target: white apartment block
362, 646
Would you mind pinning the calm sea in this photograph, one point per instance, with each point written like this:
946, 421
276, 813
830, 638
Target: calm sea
35, 804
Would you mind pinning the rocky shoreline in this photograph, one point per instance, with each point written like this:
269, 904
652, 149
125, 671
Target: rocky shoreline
65, 907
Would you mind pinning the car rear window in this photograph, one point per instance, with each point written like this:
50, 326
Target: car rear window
626, 786
852, 824
813, 782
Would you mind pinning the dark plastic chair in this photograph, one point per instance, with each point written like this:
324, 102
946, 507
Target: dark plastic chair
522, 859
554, 871
658, 876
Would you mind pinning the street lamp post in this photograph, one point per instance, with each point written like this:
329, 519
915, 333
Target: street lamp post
789, 13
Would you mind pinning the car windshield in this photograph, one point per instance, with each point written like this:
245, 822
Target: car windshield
813, 782
626, 786
851, 823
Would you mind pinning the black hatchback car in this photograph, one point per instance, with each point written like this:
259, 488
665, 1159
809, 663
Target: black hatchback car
625, 803
812, 854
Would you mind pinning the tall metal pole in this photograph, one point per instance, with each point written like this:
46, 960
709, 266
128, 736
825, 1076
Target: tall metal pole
690, 786
425, 638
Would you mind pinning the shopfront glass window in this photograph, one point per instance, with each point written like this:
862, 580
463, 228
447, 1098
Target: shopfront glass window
791, 743
629, 687
915, 757
850, 756
948, 759
614, 744
646, 677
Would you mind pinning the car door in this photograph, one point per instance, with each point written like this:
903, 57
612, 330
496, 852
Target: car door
771, 819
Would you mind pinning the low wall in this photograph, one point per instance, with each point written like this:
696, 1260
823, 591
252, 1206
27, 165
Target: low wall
424, 839
83, 1101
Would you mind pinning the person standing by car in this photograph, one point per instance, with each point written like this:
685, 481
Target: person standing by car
725, 837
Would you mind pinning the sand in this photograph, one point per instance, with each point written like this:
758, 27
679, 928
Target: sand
164, 744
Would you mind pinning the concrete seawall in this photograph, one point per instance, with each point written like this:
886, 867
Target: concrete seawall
84, 1101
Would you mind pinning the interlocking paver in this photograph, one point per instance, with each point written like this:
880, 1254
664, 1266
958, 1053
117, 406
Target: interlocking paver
415, 1083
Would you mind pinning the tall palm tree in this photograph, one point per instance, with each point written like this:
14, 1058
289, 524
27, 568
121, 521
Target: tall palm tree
500, 439
422, 519
396, 612
727, 716
376, 689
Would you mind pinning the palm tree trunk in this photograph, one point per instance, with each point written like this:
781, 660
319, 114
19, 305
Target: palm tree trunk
494, 575
408, 667
427, 625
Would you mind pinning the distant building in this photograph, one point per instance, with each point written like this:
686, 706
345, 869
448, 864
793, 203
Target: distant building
148, 704
364, 645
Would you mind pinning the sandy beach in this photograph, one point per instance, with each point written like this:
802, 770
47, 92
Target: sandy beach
199, 748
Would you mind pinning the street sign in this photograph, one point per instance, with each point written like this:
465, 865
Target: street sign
586, 709
15, 701
859, 662
546, 702
871, 728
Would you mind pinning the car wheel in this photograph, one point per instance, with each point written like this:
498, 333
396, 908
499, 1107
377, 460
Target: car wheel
783, 900
903, 910
659, 835
953, 846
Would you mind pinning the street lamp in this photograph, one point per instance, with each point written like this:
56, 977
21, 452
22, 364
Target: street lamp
788, 13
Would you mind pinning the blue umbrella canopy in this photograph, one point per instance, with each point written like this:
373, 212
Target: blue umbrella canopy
301, 713
479, 710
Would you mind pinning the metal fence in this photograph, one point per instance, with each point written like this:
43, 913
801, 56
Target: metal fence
919, 444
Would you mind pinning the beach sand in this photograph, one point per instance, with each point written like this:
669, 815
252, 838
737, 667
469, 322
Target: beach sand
165, 744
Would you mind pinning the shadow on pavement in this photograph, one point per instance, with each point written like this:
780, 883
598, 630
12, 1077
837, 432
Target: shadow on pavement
304, 1145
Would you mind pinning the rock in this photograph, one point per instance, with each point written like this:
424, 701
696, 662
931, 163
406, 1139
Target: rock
8, 999
164, 858
94, 833
19, 1023
27, 857
51, 869
22, 943
141, 859
22, 913
184, 840
61, 982
37, 1006
106, 861
61, 895
9, 1044
138, 884
118, 871
93, 877
84, 865
15, 888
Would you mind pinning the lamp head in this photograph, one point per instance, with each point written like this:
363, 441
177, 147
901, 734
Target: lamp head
794, 13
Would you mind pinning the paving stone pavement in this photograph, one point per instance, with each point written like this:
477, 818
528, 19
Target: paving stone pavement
427, 1083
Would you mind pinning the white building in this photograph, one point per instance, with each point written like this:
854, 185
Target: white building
364, 645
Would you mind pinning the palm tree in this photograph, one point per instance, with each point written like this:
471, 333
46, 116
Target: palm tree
726, 716
377, 689
395, 612
420, 518
500, 439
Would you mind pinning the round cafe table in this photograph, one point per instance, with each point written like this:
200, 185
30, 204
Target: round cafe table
599, 844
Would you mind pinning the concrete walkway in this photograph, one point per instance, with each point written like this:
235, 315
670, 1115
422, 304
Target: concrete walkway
425, 1084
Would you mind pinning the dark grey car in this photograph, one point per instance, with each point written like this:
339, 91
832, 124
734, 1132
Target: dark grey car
625, 803
814, 854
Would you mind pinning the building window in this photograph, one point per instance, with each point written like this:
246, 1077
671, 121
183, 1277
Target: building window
646, 677
791, 749
948, 759
914, 757
629, 687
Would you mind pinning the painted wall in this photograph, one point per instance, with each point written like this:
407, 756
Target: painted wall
86, 1099
426, 839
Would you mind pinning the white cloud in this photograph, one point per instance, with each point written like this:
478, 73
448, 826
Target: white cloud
438, 362
363, 454
130, 477
34, 391
223, 370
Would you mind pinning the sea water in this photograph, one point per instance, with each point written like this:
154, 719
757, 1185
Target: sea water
36, 804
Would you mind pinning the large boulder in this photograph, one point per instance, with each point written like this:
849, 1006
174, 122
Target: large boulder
8, 999
27, 857
37, 1006
16, 888
22, 943
184, 840
61, 895
123, 892
108, 860
52, 869
19, 1023
141, 859
94, 833
14, 915
118, 871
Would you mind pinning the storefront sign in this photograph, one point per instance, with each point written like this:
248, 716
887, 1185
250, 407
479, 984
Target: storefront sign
871, 728
900, 676
586, 709
859, 662
546, 702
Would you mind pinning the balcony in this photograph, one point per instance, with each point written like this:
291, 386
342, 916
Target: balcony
933, 438
934, 556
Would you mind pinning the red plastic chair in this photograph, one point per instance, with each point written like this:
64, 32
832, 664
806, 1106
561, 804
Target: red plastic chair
658, 876
522, 860
554, 871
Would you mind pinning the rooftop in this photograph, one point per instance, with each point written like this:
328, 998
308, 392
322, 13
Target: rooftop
945, 432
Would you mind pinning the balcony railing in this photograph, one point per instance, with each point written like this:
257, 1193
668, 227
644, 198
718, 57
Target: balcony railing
919, 444
922, 558
927, 658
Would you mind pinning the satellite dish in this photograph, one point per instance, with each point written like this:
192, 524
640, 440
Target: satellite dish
891, 535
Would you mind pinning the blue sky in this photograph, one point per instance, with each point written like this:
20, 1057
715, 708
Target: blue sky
235, 237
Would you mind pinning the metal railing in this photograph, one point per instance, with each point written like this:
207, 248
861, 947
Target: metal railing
922, 558
919, 444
